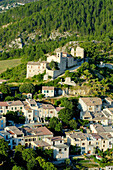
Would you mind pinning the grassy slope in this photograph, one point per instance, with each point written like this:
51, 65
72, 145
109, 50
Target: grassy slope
4, 64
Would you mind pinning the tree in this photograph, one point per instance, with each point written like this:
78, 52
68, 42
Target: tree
40, 96
3, 149
28, 154
58, 127
27, 88
5, 89
53, 122
73, 124
17, 168
53, 65
32, 164
65, 115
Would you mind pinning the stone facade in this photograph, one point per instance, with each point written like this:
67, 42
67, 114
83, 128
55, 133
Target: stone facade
34, 68
64, 61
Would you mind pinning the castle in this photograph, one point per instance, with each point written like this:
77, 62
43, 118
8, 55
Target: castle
64, 61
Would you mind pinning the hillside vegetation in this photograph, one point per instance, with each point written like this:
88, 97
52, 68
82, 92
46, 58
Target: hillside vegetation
90, 17
4, 64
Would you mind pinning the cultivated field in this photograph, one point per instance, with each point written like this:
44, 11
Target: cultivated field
4, 64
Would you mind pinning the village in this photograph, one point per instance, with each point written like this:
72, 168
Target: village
36, 122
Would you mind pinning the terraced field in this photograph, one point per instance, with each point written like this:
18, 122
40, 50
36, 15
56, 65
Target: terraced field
4, 64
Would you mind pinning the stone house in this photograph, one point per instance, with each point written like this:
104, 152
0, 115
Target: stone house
94, 117
60, 149
35, 134
34, 68
88, 142
91, 104
64, 61
16, 136
48, 91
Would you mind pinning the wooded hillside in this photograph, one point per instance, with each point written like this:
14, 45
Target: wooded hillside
88, 17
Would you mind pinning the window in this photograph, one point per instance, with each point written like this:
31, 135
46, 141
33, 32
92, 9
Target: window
1, 121
65, 149
51, 91
61, 141
15, 108
6, 107
53, 143
89, 143
96, 143
60, 150
29, 115
103, 146
104, 141
83, 143
12, 108
0, 107
110, 143
20, 107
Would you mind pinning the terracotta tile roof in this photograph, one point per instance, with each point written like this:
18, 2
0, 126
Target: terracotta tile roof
106, 135
15, 103
41, 131
3, 104
32, 101
79, 135
41, 143
48, 88
27, 108
59, 108
47, 106
14, 130
56, 138
99, 128
96, 135
36, 63
92, 101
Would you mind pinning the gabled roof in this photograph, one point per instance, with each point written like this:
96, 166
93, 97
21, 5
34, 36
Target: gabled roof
15, 103
41, 131
3, 104
92, 101
41, 143
48, 88
13, 130
47, 106
56, 138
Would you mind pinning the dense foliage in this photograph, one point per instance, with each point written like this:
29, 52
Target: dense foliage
88, 17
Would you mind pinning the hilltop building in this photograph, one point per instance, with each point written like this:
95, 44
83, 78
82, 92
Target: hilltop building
78, 53
64, 61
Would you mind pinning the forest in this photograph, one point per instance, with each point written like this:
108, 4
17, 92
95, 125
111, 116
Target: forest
85, 17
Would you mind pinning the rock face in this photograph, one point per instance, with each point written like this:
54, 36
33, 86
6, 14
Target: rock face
17, 43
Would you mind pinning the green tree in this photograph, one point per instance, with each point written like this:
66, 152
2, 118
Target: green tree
65, 115
73, 124
3, 149
53, 65
28, 154
17, 168
5, 89
53, 122
27, 88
